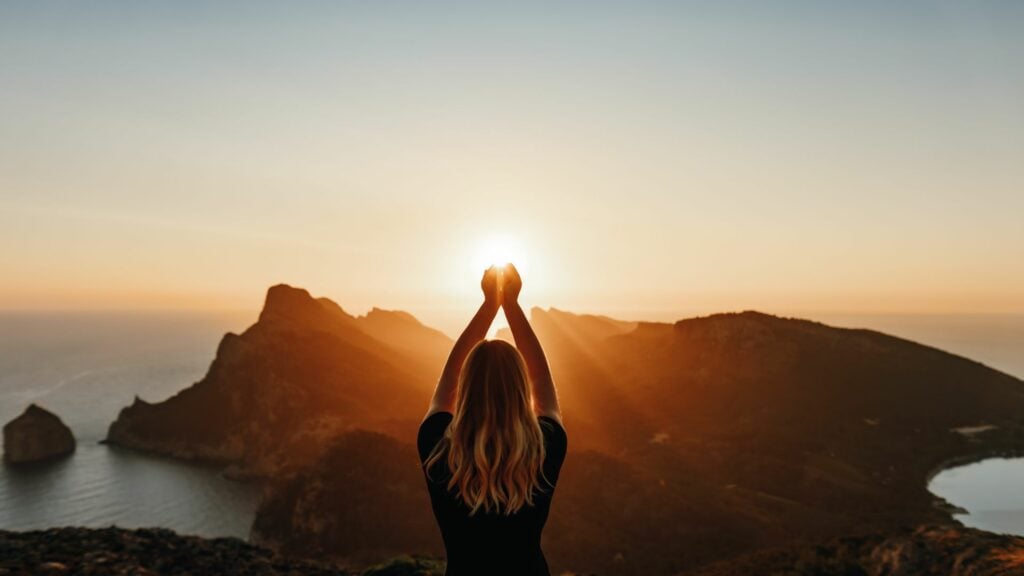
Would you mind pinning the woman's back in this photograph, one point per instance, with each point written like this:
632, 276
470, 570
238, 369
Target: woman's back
491, 543
492, 443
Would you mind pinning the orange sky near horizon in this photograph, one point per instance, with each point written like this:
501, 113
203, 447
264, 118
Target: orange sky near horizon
647, 164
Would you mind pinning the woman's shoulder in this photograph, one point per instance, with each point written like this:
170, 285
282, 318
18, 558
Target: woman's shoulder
431, 431
435, 422
553, 429
438, 416
556, 445
552, 420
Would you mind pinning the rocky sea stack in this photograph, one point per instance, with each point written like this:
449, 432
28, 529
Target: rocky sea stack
36, 435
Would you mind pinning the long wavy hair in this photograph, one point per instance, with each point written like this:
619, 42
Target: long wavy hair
494, 446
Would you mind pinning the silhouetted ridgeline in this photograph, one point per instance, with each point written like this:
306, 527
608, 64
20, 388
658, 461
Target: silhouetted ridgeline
692, 442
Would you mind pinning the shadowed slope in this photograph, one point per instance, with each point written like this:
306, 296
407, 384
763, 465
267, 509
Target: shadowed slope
408, 336
776, 429
362, 501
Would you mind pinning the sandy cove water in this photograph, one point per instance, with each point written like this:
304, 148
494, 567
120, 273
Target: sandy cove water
87, 366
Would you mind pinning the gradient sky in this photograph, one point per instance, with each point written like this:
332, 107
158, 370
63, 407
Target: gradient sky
648, 159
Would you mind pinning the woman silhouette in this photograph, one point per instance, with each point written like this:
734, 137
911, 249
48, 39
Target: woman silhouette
492, 443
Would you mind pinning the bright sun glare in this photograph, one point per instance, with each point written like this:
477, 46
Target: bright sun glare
498, 250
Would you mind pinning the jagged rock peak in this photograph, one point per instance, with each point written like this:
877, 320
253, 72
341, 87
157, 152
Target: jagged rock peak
36, 411
140, 402
284, 299
284, 302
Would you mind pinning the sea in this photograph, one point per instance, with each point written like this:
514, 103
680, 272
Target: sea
86, 366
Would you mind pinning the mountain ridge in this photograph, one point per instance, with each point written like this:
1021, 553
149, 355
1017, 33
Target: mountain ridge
304, 372
732, 432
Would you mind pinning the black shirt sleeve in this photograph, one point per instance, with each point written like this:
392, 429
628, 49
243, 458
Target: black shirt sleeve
556, 444
431, 431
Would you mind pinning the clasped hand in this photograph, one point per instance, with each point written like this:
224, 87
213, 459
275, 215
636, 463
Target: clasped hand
501, 285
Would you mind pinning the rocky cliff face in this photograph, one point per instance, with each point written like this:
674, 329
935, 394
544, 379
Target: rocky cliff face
304, 373
36, 435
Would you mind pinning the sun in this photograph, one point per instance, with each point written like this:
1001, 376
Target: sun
498, 250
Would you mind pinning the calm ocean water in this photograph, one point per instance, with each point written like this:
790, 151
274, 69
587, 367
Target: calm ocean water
87, 366
989, 490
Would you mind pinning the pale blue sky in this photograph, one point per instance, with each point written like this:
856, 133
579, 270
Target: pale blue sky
653, 156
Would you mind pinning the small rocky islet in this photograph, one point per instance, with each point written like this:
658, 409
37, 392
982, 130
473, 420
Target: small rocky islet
36, 435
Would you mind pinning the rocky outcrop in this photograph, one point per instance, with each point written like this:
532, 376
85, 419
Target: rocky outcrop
36, 435
276, 394
926, 551
148, 552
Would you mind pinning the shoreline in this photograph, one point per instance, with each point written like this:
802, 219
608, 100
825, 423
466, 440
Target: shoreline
974, 458
952, 509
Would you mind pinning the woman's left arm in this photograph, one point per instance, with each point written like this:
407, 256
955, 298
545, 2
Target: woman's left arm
444, 394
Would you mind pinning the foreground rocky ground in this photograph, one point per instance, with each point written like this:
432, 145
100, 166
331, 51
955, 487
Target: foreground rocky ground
926, 551
146, 552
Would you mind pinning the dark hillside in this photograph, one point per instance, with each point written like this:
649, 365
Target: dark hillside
690, 443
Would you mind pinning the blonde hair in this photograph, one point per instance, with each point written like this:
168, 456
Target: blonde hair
494, 444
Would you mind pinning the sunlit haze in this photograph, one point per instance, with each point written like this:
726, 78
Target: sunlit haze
641, 159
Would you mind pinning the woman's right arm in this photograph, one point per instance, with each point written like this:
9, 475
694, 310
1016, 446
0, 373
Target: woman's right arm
545, 399
444, 394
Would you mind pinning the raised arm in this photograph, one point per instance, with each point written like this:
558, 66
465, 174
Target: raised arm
545, 399
444, 393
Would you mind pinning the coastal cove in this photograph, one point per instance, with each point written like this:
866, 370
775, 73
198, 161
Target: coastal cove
86, 368
986, 492
100, 486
